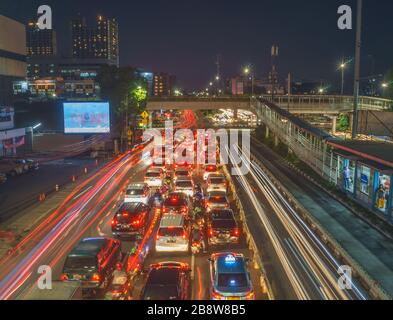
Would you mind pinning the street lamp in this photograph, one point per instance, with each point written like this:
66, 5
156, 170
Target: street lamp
342, 67
385, 85
247, 71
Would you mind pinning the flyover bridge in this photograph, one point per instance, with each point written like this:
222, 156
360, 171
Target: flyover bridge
299, 104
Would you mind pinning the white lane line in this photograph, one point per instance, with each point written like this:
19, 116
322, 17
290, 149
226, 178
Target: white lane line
82, 193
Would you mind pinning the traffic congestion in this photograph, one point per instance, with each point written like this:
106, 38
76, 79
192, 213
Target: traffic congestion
180, 216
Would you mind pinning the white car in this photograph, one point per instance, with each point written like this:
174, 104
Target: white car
216, 182
153, 178
173, 234
185, 186
137, 192
181, 174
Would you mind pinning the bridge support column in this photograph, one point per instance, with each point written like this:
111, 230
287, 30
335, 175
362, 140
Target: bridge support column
235, 111
334, 125
150, 119
276, 141
267, 132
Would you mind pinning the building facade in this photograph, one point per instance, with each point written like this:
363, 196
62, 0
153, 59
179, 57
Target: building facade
12, 56
99, 42
163, 84
40, 43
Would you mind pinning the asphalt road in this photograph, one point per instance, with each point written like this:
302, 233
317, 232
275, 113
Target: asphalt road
23, 190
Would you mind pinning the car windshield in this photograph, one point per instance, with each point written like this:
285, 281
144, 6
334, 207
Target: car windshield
182, 173
217, 180
171, 232
184, 184
134, 192
80, 262
218, 199
232, 280
222, 214
152, 174
223, 224
158, 292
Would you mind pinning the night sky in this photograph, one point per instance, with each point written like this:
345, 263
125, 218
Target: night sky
183, 37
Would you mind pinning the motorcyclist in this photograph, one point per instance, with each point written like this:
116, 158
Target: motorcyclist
197, 212
157, 197
197, 236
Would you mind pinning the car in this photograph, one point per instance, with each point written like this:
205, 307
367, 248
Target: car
161, 166
185, 186
92, 262
173, 234
229, 277
176, 203
11, 167
222, 227
183, 165
28, 164
209, 169
216, 200
130, 219
154, 177
216, 182
167, 281
137, 192
181, 173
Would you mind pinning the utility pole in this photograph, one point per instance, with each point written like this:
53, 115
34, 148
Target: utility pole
289, 89
357, 69
273, 74
218, 74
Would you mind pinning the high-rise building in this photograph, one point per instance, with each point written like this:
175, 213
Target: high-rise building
40, 43
12, 56
163, 84
100, 42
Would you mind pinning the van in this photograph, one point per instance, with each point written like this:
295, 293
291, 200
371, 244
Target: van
173, 234
92, 262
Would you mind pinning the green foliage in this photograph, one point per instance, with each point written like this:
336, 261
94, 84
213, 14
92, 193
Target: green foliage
125, 90
343, 123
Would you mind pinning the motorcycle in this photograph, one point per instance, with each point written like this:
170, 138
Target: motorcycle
196, 247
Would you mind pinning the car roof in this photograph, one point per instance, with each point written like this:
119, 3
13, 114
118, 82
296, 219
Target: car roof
164, 276
89, 246
172, 220
136, 186
236, 263
216, 175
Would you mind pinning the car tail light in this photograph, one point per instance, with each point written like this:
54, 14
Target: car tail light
95, 277
63, 277
113, 222
211, 233
250, 296
136, 222
125, 214
216, 296
183, 209
184, 236
157, 237
235, 232
165, 210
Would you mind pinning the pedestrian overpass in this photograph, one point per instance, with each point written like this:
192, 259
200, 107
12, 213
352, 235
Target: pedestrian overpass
299, 104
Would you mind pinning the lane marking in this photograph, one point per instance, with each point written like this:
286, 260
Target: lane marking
82, 193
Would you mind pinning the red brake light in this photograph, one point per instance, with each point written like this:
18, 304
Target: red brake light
216, 296
236, 232
95, 277
113, 222
157, 237
250, 296
63, 277
211, 232
125, 214
184, 235
165, 210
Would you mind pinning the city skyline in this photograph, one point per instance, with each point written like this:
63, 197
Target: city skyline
147, 30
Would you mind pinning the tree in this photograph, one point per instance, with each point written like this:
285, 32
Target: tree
127, 93
343, 123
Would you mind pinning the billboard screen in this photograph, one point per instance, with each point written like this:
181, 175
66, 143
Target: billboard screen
86, 117
6, 118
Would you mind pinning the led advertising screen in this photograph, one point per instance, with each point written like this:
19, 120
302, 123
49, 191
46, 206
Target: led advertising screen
86, 117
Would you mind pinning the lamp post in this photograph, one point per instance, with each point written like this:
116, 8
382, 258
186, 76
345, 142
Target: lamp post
247, 71
342, 67
357, 69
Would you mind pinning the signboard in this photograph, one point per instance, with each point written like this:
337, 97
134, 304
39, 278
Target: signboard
86, 117
144, 115
6, 118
